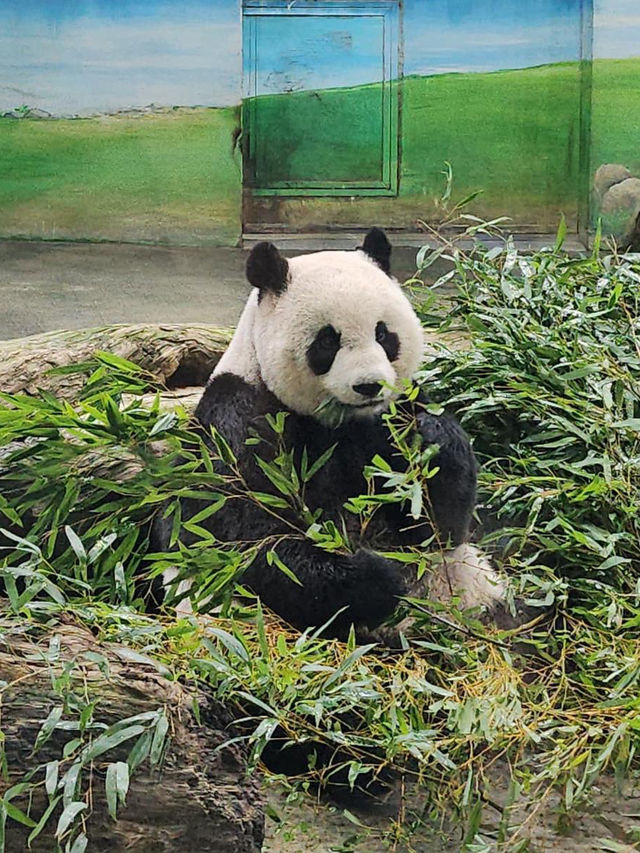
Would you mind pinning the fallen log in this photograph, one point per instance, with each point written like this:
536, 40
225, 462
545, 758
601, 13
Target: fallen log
176, 356
197, 798
180, 357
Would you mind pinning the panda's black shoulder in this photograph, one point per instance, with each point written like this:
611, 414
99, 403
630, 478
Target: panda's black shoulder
234, 406
225, 392
228, 404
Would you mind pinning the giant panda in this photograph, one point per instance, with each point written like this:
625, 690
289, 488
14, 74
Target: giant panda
329, 338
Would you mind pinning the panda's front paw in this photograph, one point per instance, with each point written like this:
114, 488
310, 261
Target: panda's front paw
378, 584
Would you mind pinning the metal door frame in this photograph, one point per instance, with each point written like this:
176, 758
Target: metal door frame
390, 11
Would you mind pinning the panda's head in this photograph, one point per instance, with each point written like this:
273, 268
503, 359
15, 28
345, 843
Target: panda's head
334, 335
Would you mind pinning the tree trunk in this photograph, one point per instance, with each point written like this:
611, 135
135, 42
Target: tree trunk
177, 356
200, 798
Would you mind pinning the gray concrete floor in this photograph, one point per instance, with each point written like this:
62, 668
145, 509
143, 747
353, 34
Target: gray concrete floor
46, 286
49, 286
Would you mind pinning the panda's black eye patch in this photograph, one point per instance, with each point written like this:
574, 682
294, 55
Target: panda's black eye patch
323, 350
389, 341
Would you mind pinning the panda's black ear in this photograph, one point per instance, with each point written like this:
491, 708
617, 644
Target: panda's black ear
378, 247
266, 268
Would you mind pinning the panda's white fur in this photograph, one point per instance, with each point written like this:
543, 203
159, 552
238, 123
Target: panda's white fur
465, 572
240, 356
351, 292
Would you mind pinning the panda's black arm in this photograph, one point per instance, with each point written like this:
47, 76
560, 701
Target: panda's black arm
367, 584
452, 491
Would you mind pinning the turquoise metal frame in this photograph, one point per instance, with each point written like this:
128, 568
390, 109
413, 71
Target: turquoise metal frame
388, 11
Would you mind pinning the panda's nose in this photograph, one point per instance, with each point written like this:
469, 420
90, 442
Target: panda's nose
367, 389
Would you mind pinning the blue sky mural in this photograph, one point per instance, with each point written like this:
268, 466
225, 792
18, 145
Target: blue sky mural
445, 36
314, 52
616, 29
84, 56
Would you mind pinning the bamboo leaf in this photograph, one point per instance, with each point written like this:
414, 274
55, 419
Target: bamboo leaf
68, 816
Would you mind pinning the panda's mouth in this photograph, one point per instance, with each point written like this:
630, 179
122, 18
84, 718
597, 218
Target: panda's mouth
366, 408
334, 412
368, 404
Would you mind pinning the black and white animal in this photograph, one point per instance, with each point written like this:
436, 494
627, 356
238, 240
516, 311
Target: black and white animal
328, 338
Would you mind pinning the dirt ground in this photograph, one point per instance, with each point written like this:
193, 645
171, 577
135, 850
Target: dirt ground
609, 821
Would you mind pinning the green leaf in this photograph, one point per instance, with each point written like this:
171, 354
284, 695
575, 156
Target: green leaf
100, 547
274, 560
116, 786
208, 510
76, 544
473, 824
614, 846
348, 662
44, 819
17, 814
140, 751
320, 462
24, 544
561, 234
110, 740
231, 643
270, 500
117, 361
68, 816
630, 423
51, 777
416, 500
159, 739
48, 726
223, 447
79, 844
70, 779
284, 486
165, 422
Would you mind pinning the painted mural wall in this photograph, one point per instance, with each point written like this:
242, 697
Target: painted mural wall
120, 120
494, 90
491, 90
615, 117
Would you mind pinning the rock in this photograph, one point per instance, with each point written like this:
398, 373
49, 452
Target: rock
607, 175
620, 210
36, 112
623, 198
27, 112
631, 240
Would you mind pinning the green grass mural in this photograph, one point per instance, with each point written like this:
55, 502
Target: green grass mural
513, 134
174, 176
298, 141
166, 177
615, 141
615, 115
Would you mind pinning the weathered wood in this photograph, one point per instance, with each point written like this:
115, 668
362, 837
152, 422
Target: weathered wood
175, 355
200, 800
